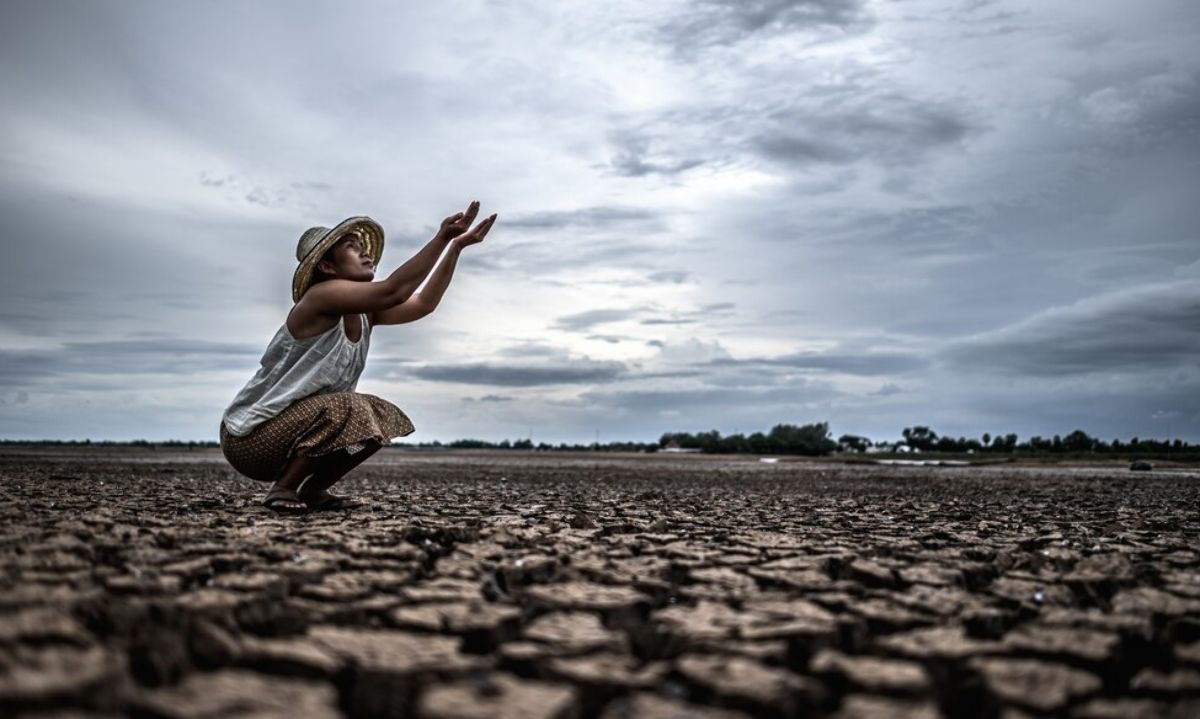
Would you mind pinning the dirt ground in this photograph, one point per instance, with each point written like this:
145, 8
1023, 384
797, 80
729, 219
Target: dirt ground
150, 583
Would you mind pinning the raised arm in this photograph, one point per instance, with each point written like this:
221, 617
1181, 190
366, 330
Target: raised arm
422, 303
336, 297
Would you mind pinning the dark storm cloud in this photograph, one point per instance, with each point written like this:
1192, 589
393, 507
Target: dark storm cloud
587, 217
1146, 406
764, 401
913, 232
629, 164
725, 22
34, 324
670, 142
852, 123
633, 152
664, 321
283, 194
1156, 98
267, 198
208, 180
887, 390
1148, 329
861, 118
671, 374
865, 364
572, 372
589, 319
673, 276
297, 194
109, 266
123, 357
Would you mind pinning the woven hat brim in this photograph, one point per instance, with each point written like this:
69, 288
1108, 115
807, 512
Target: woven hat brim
372, 234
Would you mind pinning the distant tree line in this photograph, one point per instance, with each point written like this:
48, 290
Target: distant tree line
435, 444
144, 443
809, 439
924, 439
527, 444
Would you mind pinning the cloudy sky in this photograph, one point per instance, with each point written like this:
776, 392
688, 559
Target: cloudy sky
714, 214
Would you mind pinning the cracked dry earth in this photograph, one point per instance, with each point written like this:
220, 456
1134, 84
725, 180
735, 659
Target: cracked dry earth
149, 583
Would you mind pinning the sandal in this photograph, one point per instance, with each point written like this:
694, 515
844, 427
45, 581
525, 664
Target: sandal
331, 502
322, 500
278, 500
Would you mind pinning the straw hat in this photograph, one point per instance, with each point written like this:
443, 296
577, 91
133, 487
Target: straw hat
316, 240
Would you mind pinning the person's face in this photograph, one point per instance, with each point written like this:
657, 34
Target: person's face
351, 261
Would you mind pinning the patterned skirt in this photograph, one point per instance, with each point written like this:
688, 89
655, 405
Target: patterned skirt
313, 426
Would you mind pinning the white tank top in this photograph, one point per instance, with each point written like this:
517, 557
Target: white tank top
293, 369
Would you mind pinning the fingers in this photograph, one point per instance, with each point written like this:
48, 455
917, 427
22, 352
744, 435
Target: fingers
460, 221
484, 223
483, 227
477, 233
459, 225
472, 211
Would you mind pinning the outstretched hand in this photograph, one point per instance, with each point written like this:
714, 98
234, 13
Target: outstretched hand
456, 224
476, 234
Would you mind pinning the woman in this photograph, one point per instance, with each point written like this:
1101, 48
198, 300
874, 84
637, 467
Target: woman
298, 423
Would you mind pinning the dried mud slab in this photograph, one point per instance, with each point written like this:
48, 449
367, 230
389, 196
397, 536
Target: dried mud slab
571, 586
237, 693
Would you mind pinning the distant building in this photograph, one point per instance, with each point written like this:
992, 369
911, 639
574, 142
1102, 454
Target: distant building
890, 448
674, 447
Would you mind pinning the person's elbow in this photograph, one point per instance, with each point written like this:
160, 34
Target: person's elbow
424, 309
418, 306
401, 293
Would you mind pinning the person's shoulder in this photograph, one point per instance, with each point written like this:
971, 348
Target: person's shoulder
324, 287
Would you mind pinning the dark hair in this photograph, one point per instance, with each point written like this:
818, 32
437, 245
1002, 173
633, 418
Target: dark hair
318, 275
